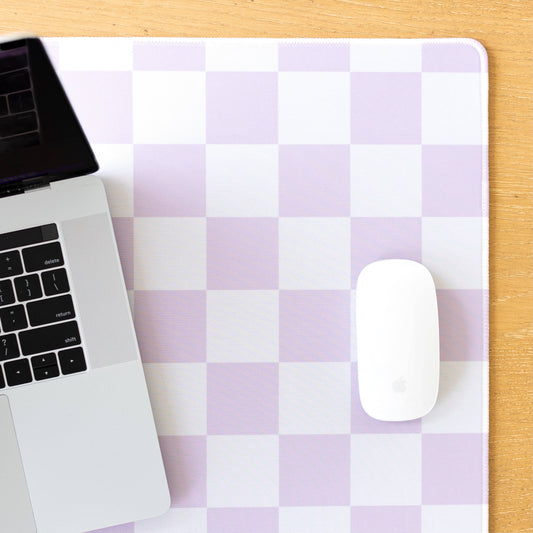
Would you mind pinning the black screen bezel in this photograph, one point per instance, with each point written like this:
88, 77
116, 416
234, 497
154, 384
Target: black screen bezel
35, 166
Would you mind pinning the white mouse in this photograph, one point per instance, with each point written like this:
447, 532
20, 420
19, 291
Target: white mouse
397, 328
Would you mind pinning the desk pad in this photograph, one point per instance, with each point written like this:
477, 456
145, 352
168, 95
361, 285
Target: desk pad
250, 181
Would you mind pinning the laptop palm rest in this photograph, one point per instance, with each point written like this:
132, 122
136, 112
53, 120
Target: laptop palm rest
15, 507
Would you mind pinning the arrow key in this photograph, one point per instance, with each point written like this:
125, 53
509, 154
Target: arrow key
72, 360
17, 372
45, 359
45, 372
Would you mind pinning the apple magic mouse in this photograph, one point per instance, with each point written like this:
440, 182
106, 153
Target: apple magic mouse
397, 330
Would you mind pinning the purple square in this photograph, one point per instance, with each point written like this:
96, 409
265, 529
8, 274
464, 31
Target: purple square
314, 470
103, 104
242, 253
452, 57
387, 519
314, 57
461, 324
314, 325
169, 180
386, 108
185, 460
171, 326
452, 469
242, 107
242, 520
451, 177
384, 238
363, 423
314, 181
169, 56
242, 398
123, 227
123, 528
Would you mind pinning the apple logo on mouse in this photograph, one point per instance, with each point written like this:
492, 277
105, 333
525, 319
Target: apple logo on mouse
399, 385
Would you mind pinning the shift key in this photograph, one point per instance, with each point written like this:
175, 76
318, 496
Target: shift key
49, 338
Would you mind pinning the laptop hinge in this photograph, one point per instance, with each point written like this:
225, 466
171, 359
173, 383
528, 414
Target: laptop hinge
28, 185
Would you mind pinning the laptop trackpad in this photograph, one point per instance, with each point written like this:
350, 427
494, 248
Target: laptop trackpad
15, 507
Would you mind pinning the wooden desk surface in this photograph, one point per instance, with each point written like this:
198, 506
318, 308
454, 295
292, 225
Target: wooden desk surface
505, 28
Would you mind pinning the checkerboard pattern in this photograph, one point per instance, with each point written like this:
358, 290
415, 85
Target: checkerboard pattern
250, 181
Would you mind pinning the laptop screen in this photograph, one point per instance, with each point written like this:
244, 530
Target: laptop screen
40, 136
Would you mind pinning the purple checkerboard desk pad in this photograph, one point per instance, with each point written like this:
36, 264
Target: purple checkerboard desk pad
249, 182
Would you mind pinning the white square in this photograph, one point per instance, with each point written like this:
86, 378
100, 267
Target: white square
456, 518
243, 471
169, 107
314, 398
241, 55
182, 520
116, 171
451, 108
170, 253
386, 180
242, 181
459, 407
314, 520
386, 55
386, 469
104, 53
242, 326
178, 395
314, 253
51, 45
452, 251
314, 107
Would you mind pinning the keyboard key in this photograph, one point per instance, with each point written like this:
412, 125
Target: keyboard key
13, 45
55, 282
28, 287
27, 236
3, 105
72, 361
19, 102
10, 264
2, 382
20, 141
9, 348
20, 123
45, 359
12, 61
51, 310
7, 296
49, 338
13, 318
14, 81
42, 257
46, 372
17, 372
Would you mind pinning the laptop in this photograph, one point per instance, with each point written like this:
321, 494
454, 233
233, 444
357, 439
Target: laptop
79, 449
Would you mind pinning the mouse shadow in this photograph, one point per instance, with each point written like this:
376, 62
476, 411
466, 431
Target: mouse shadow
455, 339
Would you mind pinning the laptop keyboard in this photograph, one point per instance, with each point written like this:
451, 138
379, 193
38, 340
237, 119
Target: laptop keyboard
39, 335
19, 124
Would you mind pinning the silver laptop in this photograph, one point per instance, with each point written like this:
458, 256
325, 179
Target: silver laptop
78, 446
